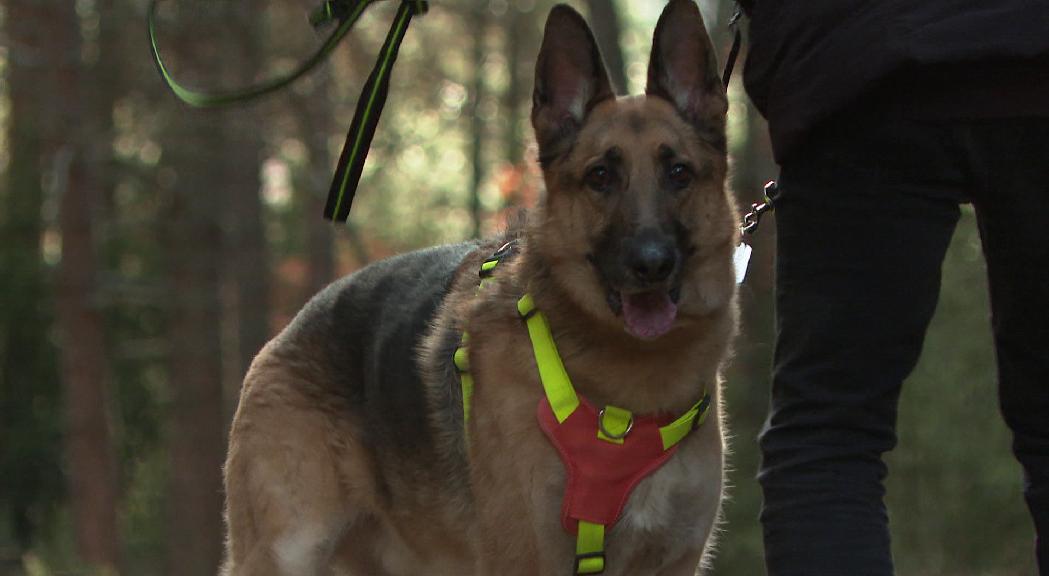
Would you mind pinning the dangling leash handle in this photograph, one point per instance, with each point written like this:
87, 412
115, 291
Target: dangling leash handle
347, 16
369, 105
366, 117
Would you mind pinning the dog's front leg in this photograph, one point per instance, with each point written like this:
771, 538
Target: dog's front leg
517, 483
518, 496
505, 536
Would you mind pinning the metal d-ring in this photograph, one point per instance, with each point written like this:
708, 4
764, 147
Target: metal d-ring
601, 426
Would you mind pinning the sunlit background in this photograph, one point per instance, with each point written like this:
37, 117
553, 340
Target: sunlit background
148, 250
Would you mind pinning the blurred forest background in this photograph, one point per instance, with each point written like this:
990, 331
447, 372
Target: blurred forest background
148, 250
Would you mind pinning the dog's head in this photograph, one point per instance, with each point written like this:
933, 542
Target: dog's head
637, 228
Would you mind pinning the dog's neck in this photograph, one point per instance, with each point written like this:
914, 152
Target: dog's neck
609, 366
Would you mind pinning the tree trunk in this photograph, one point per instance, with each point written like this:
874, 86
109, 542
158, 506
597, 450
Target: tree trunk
30, 473
248, 255
196, 437
605, 21
313, 113
479, 28
89, 448
194, 152
90, 454
516, 27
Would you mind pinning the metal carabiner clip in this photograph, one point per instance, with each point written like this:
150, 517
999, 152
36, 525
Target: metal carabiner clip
752, 219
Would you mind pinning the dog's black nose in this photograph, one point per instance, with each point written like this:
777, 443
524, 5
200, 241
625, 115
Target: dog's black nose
651, 258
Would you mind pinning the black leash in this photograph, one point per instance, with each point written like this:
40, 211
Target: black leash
369, 106
366, 117
737, 43
771, 192
374, 94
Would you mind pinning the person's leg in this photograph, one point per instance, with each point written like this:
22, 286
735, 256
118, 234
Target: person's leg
1012, 207
862, 231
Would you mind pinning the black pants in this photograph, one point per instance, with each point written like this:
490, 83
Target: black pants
867, 213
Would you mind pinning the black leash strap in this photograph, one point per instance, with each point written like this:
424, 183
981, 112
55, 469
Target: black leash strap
369, 106
366, 117
737, 42
771, 193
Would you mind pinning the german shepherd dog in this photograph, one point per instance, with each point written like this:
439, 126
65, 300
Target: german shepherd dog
348, 453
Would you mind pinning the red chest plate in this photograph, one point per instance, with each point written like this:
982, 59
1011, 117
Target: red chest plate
601, 474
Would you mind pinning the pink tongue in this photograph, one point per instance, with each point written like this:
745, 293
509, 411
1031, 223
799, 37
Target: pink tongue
649, 314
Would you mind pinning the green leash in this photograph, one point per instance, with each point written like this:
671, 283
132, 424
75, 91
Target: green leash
369, 105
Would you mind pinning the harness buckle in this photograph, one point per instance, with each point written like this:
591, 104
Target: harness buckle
488, 266
701, 412
590, 563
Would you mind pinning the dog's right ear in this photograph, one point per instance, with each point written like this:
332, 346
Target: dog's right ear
570, 79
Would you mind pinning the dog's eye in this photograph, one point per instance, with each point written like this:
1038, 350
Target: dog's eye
599, 178
680, 176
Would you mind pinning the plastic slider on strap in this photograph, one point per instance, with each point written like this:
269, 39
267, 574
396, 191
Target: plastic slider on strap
677, 430
590, 548
488, 266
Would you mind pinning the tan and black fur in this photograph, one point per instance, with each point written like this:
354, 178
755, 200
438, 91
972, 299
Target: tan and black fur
348, 453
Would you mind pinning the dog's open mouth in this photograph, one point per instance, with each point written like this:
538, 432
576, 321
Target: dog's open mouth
647, 312
650, 314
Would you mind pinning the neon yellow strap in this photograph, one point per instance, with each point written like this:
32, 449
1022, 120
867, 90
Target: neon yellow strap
489, 265
461, 356
563, 399
590, 548
466, 381
558, 387
467, 384
677, 430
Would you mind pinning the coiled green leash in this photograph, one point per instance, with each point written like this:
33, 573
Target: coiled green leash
369, 105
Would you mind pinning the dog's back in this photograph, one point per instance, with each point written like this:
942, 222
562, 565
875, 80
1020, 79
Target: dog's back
362, 331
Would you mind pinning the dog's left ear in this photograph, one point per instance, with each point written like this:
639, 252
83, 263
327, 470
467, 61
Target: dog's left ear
683, 70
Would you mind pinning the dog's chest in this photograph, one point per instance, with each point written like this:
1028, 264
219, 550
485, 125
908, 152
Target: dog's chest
669, 513
672, 510
674, 491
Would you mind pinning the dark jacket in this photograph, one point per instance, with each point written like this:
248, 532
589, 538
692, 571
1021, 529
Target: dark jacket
809, 59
